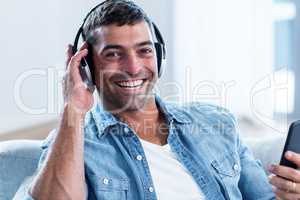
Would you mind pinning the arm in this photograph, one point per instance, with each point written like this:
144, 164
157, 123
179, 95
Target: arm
286, 181
253, 182
62, 174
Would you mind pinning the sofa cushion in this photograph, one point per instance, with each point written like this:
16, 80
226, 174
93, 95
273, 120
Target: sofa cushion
267, 149
18, 160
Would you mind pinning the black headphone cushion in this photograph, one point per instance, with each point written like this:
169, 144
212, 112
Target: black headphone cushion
89, 60
159, 56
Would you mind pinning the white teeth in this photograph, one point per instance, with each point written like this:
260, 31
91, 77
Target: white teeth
131, 83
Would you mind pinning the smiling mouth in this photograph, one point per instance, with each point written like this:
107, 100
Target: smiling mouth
131, 84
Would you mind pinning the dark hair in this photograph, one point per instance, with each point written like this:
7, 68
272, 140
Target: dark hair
119, 12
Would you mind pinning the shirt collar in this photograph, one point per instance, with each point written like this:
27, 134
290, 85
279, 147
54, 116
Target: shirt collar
172, 111
104, 119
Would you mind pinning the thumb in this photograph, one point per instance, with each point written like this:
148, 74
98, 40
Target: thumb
69, 54
293, 157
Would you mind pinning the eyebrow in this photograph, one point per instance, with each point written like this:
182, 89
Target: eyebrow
144, 43
115, 46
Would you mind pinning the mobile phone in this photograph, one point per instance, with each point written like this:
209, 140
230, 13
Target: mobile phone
292, 143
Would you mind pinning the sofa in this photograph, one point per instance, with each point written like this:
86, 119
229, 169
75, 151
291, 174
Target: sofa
27, 152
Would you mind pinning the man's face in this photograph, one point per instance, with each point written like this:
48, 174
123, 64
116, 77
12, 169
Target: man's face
125, 65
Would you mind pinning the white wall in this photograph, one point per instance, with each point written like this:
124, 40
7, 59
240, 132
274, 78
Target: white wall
34, 36
226, 47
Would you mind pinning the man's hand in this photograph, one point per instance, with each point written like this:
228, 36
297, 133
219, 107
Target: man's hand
286, 181
75, 92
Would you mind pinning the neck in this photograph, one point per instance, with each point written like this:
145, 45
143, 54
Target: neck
148, 113
147, 122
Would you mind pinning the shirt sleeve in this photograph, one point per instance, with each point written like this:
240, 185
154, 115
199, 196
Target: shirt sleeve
23, 191
253, 183
27, 197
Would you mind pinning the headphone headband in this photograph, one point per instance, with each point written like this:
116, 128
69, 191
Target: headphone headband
75, 44
157, 33
159, 38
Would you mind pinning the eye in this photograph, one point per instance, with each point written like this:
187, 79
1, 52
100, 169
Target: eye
147, 51
113, 55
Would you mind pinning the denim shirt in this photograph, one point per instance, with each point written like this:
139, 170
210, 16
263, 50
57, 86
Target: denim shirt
204, 139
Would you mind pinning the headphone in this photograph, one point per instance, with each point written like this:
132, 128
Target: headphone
159, 46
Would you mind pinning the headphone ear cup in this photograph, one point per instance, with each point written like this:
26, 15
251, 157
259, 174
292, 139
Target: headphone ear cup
89, 60
159, 57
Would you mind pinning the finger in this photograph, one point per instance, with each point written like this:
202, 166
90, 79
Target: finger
293, 157
284, 184
286, 172
75, 63
69, 51
75, 60
83, 46
69, 54
285, 195
279, 182
65, 86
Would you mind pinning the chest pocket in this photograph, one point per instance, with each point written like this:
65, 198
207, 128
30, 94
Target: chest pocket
227, 166
107, 188
228, 169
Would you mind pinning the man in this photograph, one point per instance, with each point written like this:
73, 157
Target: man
133, 145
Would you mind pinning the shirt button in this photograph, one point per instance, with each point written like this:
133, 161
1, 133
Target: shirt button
235, 167
126, 130
151, 189
105, 181
139, 157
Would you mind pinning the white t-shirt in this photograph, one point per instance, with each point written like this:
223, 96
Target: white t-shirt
170, 178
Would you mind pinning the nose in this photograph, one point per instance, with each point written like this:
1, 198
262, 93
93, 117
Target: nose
133, 64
